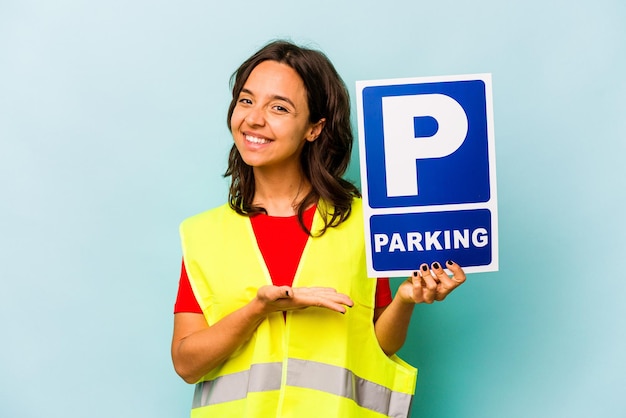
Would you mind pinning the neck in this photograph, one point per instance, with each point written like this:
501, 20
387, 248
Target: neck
280, 194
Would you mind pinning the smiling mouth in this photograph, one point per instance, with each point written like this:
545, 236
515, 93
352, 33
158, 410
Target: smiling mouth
256, 140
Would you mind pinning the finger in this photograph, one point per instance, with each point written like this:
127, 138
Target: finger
335, 304
458, 275
446, 284
316, 290
329, 293
442, 276
274, 293
418, 287
322, 297
285, 292
339, 298
437, 270
430, 285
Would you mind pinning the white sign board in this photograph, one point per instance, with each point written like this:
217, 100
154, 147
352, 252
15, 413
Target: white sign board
428, 175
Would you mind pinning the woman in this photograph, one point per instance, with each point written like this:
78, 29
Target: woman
287, 322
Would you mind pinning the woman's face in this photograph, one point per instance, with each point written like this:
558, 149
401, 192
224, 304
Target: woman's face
270, 121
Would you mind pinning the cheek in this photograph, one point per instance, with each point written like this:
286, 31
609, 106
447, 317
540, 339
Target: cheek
236, 119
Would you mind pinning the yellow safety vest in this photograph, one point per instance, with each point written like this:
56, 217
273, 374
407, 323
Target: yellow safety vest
312, 363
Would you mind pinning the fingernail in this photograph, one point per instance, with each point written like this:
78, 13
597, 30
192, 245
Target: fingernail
287, 292
449, 262
414, 274
425, 267
436, 265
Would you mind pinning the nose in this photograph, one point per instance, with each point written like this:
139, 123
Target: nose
255, 116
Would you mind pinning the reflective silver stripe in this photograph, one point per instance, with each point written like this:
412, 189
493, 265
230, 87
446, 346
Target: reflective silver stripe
231, 387
342, 382
306, 374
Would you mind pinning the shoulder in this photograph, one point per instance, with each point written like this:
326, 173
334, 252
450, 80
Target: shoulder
207, 217
356, 212
351, 219
357, 205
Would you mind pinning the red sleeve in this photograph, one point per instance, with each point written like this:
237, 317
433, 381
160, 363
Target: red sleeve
185, 300
383, 293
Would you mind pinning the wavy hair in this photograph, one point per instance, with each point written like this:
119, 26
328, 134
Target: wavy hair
325, 160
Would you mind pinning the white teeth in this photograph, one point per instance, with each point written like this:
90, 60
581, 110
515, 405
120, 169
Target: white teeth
256, 140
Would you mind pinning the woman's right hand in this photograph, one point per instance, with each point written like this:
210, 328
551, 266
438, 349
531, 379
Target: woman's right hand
197, 348
285, 298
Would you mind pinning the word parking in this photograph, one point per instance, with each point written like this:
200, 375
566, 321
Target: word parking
432, 240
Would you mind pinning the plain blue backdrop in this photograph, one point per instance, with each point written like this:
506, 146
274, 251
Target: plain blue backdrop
112, 130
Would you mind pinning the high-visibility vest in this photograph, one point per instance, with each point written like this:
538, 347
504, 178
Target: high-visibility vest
312, 362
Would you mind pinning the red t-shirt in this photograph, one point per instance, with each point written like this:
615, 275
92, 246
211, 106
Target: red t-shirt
281, 241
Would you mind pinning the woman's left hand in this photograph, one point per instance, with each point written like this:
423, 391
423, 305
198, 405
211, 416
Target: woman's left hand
431, 283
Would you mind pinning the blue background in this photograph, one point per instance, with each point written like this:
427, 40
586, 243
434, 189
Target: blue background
112, 130
461, 177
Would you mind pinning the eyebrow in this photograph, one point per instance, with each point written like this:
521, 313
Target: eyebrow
273, 97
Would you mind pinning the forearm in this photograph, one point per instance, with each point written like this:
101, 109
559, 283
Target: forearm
392, 325
196, 353
197, 348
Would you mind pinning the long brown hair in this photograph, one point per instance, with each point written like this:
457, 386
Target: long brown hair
325, 160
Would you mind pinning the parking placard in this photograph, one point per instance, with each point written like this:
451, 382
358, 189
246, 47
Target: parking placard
427, 160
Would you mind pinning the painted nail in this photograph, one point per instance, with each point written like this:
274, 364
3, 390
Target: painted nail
436, 265
287, 292
425, 267
414, 274
449, 262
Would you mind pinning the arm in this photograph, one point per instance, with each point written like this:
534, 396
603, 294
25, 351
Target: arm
425, 286
197, 348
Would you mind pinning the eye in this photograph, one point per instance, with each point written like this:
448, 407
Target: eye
244, 100
280, 109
